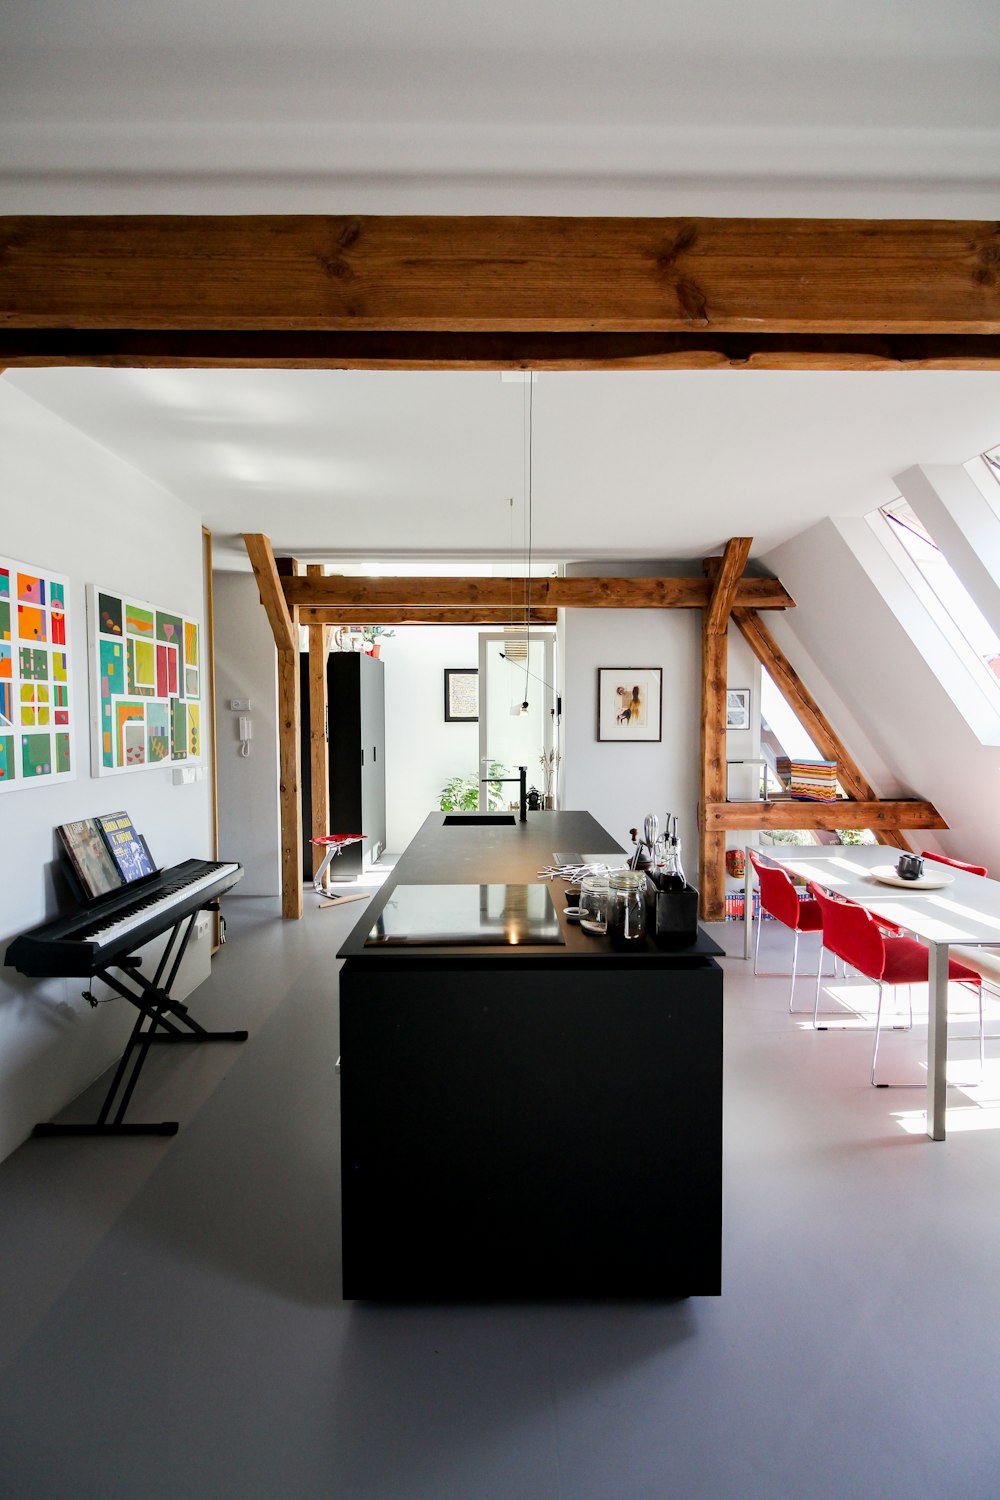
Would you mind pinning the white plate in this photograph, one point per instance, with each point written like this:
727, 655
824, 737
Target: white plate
888, 875
572, 913
596, 927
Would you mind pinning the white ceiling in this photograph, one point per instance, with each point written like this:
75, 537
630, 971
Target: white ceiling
534, 106
356, 465
794, 107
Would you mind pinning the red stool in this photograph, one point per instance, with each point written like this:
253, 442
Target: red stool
334, 844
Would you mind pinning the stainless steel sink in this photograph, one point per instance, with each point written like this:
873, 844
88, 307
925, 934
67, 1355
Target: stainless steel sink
473, 820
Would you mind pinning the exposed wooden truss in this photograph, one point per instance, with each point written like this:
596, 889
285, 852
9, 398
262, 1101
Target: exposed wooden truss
283, 587
814, 721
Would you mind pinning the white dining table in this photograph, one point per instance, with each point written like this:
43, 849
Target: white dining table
965, 911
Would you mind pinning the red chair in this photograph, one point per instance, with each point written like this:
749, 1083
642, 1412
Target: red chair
956, 864
853, 934
779, 897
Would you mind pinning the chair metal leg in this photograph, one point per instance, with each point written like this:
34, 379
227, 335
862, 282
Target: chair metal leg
795, 962
878, 1022
819, 981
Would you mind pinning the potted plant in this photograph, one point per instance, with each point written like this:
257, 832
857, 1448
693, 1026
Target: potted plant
461, 793
550, 767
374, 635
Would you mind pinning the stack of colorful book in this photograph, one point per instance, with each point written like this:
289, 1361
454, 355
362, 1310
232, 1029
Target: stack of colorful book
736, 905
814, 780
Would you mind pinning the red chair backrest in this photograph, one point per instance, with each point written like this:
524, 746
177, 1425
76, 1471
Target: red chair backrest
852, 933
777, 893
956, 864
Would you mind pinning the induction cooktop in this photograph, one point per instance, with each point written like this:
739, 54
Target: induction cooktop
490, 915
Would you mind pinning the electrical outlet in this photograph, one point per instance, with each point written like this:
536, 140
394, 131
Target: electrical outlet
240, 705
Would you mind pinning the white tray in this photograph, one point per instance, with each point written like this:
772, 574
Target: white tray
888, 875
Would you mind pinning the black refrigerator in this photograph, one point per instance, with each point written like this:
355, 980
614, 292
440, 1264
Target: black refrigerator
355, 689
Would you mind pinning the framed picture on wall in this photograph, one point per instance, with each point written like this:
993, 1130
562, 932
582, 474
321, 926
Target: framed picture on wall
461, 695
737, 708
629, 703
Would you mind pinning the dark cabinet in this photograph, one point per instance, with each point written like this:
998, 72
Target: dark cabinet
355, 687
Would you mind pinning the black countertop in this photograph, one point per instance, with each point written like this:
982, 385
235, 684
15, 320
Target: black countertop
490, 849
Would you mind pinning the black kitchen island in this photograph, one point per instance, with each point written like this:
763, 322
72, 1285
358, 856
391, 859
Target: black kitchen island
526, 1112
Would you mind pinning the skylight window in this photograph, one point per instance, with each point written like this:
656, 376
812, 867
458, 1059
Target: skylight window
984, 470
951, 595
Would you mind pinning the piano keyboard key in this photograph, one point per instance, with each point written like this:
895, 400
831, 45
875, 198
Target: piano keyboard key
144, 911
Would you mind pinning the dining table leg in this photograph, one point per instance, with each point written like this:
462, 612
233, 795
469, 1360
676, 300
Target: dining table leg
937, 1039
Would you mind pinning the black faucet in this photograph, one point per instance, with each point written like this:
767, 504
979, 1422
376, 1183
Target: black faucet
523, 779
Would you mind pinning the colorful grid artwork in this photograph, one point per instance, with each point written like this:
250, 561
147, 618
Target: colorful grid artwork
34, 677
140, 660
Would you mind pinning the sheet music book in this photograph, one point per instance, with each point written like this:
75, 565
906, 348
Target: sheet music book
90, 857
128, 848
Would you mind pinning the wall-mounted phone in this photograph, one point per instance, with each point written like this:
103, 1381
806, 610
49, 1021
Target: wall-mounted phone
245, 734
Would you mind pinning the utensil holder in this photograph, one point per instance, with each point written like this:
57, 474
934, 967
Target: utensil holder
676, 923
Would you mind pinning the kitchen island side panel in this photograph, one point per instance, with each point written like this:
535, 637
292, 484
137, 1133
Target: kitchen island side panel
530, 1130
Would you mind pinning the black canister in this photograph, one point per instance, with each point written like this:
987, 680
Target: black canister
676, 918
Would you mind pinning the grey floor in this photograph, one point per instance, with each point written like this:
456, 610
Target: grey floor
172, 1325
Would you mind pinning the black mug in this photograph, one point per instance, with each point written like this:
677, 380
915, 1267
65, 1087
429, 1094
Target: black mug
909, 867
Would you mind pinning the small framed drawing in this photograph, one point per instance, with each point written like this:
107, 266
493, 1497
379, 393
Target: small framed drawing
628, 703
737, 708
461, 695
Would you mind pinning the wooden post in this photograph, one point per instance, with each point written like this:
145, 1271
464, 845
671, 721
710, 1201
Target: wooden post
319, 749
711, 843
725, 578
285, 628
289, 783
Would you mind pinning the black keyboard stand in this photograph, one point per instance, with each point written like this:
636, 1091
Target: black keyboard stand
160, 1019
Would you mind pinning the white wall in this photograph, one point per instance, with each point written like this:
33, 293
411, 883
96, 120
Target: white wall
71, 506
246, 667
422, 751
619, 784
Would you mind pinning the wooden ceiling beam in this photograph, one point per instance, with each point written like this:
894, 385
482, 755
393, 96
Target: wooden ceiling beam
508, 593
481, 274
881, 817
726, 584
402, 614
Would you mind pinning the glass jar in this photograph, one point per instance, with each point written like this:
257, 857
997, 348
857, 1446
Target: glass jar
594, 901
627, 907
